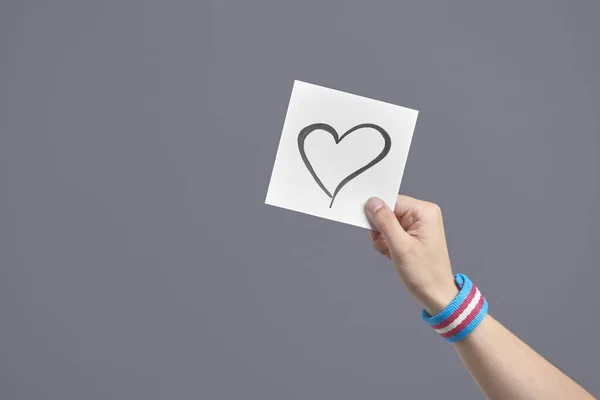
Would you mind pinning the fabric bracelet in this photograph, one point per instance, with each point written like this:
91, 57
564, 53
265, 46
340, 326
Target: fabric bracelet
462, 315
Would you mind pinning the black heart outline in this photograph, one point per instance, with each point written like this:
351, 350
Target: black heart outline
327, 128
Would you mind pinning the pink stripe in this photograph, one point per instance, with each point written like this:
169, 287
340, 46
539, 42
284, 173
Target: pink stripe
458, 311
467, 320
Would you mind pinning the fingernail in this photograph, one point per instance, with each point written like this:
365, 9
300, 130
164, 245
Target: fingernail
374, 204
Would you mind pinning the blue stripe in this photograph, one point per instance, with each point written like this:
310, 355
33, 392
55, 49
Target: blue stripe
469, 328
465, 284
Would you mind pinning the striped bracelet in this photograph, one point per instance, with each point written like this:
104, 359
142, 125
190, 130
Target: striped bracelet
462, 315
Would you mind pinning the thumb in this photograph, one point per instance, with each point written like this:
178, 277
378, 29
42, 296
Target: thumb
383, 219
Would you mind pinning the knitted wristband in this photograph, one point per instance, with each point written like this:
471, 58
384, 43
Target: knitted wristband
462, 315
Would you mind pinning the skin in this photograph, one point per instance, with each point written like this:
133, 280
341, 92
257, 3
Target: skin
412, 237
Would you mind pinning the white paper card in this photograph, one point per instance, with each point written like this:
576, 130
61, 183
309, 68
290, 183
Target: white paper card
337, 150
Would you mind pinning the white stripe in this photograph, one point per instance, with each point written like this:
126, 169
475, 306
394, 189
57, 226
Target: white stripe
463, 315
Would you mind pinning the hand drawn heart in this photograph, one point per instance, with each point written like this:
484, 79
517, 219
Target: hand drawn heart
327, 128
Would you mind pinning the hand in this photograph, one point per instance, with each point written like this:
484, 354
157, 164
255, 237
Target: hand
413, 237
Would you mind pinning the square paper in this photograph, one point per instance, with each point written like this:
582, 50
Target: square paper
337, 150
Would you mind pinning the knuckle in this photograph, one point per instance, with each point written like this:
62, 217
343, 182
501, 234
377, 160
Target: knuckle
433, 210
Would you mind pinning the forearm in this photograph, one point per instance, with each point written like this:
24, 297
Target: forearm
505, 367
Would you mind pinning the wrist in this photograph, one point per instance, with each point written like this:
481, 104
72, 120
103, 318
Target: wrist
437, 299
462, 315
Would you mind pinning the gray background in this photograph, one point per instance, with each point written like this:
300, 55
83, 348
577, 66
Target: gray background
138, 261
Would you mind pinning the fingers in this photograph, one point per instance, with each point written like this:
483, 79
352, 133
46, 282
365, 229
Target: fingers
374, 235
379, 243
382, 247
406, 205
386, 222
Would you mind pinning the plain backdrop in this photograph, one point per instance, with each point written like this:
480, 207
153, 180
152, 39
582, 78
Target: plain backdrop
137, 137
